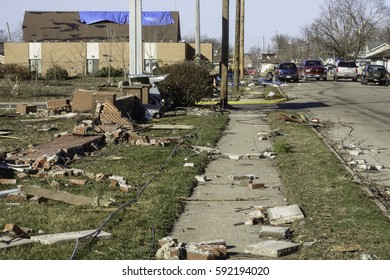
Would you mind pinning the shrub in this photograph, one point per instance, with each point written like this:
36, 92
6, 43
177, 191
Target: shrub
113, 72
16, 72
186, 83
57, 73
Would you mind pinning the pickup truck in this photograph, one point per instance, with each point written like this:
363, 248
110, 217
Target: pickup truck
346, 70
313, 68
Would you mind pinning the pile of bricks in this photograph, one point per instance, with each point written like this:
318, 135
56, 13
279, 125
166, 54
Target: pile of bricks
171, 249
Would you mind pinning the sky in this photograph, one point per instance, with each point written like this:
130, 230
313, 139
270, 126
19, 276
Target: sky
264, 19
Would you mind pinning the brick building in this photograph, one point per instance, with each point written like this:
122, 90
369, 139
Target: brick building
84, 42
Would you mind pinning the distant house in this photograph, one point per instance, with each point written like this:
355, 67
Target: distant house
376, 53
84, 42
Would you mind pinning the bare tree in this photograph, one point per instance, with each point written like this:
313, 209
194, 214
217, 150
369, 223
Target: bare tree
344, 26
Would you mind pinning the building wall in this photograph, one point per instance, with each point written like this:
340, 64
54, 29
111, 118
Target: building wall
16, 53
73, 56
206, 50
170, 53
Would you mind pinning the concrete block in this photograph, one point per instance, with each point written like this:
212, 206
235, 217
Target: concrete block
235, 157
355, 152
284, 214
201, 178
274, 232
272, 248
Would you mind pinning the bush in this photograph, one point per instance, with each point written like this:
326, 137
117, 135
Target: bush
113, 72
57, 73
186, 83
16, 72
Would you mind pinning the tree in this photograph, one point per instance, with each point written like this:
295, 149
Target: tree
344, 26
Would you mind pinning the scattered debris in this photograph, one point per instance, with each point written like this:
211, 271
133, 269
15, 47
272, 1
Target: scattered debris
254, 217
170, 249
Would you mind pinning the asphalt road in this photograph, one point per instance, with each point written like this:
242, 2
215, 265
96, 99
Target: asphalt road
353, 114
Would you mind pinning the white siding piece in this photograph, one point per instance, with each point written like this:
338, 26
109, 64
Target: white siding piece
92, 50
68, 236
150, 50
35, 50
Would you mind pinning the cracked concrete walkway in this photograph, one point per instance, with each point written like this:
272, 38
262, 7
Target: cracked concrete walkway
218, 207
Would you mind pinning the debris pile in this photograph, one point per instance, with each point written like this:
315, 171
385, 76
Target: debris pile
171, 249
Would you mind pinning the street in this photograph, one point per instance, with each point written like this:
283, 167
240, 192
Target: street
353, 115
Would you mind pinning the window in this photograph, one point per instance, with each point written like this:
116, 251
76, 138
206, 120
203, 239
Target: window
92, 66
149, 64
36, 66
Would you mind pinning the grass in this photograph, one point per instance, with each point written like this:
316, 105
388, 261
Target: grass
158, 171
337, 210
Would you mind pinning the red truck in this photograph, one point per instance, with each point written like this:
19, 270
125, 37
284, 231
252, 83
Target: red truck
313, 68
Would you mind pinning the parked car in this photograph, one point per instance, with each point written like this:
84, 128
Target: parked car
373, 73
250, 71
287, 71
346, 70
313, 68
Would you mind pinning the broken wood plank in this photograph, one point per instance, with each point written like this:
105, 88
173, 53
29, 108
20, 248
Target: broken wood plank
171, 126
63, 196
49, 239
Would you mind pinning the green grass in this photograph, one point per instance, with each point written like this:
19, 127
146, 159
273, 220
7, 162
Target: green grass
337, 210
137, 228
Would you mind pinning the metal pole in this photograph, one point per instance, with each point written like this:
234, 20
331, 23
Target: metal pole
242, 39
197, 27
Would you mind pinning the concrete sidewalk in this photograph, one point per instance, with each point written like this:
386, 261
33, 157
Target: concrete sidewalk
219, 207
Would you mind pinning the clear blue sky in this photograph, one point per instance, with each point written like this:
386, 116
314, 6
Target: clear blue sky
263, 18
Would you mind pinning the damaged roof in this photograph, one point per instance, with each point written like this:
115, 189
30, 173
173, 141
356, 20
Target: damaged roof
41, 26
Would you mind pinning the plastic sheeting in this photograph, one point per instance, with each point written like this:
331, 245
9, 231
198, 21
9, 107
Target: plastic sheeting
148, 18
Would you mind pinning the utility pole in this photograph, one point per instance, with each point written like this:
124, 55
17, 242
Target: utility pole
135, 37
236, 78
197, 27
9, 33
225, 53
242, 40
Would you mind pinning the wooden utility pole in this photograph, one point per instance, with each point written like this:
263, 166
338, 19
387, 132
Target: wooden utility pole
225, 53
236, 79
242, 41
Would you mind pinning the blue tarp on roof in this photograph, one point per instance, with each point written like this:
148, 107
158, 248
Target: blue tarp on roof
148, 18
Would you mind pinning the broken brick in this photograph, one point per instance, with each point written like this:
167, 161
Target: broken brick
254, 186
80, 182
218, 250
193, 254
16, 230
7, 181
